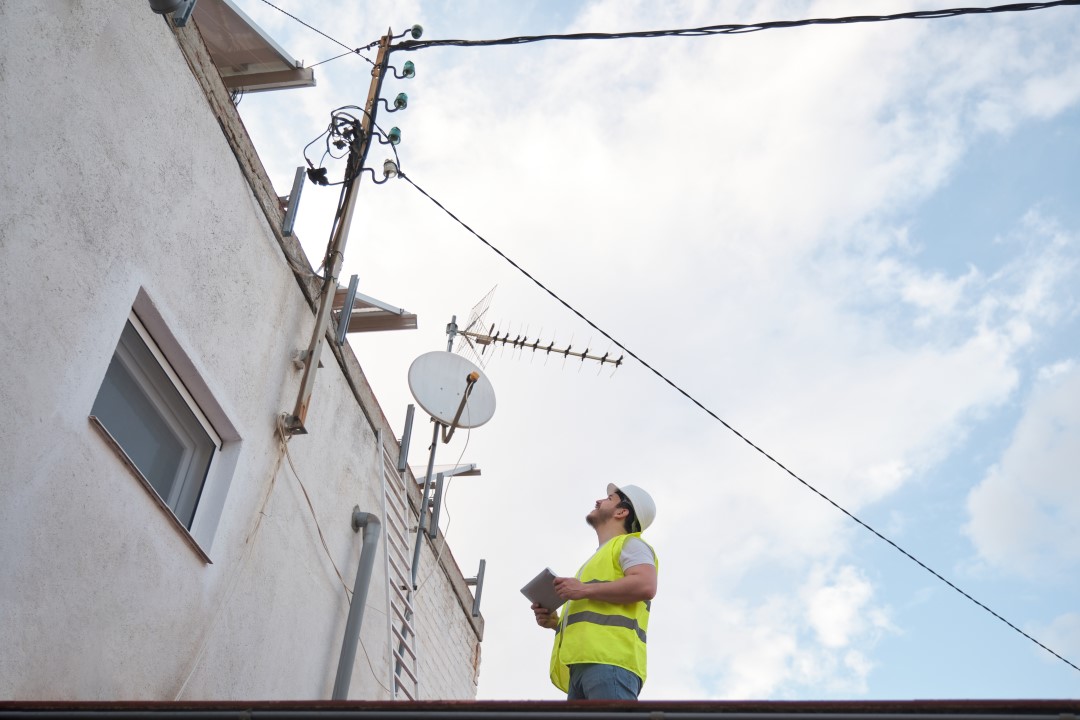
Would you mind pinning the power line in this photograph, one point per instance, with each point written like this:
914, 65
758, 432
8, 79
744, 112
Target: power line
738, 434
735, 29
352, 50
311, 27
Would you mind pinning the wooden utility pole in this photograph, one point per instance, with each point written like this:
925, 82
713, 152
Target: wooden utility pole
294, 423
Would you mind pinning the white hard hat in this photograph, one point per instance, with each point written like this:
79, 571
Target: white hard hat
644, 507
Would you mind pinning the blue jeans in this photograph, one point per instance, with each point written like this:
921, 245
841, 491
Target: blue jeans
591, 681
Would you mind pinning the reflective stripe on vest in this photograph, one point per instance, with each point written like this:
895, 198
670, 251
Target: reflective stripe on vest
602, 619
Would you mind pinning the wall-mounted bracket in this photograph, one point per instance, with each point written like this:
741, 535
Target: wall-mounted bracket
294, 202
183, 13
436, 503
478, 583
343, 317
406, 438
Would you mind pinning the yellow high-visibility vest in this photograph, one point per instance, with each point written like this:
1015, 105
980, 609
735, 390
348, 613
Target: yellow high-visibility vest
591, 631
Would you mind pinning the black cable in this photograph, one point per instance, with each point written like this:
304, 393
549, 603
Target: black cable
733, 29
738, 434
352, 50
310, 27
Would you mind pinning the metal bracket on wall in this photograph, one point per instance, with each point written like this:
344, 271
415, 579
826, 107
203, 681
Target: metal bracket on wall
183, 13
294, 203
345, 316
478, 583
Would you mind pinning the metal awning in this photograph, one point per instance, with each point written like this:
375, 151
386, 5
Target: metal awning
247, 58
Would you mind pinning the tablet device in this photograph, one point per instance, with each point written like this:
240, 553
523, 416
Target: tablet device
541, 589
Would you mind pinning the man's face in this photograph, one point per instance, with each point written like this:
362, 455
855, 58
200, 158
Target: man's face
604, 510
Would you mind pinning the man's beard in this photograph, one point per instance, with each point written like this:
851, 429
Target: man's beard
597, 517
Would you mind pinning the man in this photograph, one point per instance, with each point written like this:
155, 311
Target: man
599, 651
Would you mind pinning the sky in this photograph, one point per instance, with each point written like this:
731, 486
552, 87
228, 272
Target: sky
858, 245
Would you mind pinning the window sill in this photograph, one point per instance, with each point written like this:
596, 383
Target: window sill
174, 521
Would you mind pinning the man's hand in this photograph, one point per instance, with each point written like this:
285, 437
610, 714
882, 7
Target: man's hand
544, 617
569, 588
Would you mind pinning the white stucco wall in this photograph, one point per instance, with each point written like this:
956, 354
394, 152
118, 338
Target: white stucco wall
118, 180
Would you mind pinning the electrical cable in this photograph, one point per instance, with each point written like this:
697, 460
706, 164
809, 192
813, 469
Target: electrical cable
351, 50
343, 134
249, 540
288, 456
284, 442
738, 434
312, 27
736, 29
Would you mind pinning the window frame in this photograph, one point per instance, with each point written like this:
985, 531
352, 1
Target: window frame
182, 373
164, 394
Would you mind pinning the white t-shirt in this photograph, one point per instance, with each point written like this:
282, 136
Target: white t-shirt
635, 552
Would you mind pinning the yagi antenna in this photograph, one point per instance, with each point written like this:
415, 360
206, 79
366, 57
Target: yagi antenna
521, 342
475, 339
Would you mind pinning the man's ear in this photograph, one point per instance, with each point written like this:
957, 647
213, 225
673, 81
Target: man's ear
620, 513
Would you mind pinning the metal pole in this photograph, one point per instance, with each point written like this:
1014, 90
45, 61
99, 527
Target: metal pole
370, 524
423, 506
295, 422
451, 331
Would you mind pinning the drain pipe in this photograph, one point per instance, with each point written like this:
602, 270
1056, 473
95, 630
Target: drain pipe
370, 524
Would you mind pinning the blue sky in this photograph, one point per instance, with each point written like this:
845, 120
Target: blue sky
858, 245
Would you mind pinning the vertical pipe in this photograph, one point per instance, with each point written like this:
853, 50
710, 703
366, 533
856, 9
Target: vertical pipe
370, 524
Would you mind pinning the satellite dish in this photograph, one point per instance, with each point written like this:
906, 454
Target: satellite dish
438, 381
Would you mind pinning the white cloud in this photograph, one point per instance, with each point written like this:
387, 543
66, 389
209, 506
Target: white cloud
779, 646
1062, 633
835, 605
1024, 514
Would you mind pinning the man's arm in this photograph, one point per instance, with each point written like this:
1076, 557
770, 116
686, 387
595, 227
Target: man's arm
637, 585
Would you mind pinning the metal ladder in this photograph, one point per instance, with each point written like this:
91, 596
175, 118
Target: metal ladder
398, 549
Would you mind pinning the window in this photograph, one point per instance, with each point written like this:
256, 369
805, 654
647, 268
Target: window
149, 414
